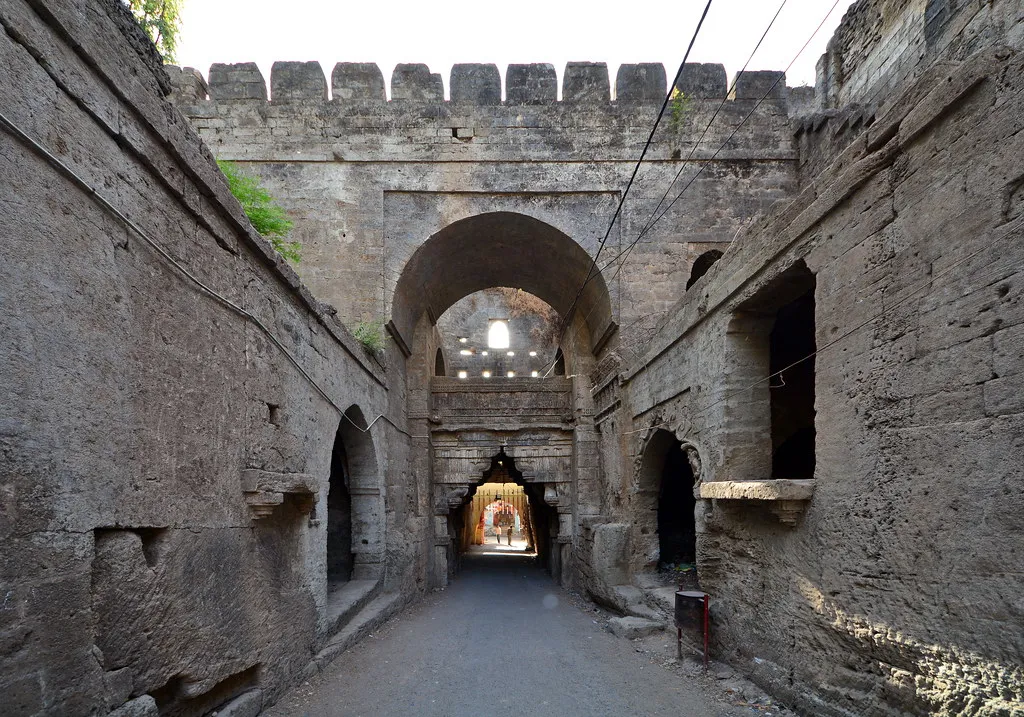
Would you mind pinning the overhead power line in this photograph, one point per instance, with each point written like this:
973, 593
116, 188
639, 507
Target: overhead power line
647, 229
647, 145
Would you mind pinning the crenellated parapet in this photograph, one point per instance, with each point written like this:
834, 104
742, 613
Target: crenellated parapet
469, 84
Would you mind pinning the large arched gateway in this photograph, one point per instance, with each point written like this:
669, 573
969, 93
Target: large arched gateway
540, 421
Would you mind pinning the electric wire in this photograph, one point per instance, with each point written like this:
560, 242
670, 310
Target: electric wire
103, 202
624, 254
647, 229
636, 169
992, 269
728, 92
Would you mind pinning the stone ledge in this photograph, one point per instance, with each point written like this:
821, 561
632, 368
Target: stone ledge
785, 498
265, 490
781, 489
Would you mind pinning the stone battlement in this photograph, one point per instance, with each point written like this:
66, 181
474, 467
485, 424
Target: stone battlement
469, 83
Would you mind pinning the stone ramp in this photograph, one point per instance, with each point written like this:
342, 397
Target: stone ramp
375, 613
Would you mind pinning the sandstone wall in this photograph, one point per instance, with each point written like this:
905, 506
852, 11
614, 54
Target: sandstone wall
882, 46
163, 464
896, 590
369, 181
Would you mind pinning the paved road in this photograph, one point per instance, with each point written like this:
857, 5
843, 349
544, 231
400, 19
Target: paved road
503, 639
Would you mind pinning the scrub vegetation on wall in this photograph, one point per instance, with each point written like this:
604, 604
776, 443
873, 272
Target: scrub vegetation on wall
267, 217
370, 334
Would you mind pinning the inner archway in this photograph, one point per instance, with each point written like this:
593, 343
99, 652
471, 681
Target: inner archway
340, 557
534, 525
677, 532
501, 249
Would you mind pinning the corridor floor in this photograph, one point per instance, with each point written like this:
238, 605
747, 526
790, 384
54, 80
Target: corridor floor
502, 639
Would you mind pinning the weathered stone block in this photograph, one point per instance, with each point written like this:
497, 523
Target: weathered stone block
476, 83
241, 81
753, 85
634, 627
703, 80
611, 552
644, 82
416, 82
187, 84
144, 706
531, 84
297, 82
357, 81
248, 704
586, 82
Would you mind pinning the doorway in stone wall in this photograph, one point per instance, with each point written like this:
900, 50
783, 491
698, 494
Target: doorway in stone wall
502, 503
677, 532
340, 558
665, 531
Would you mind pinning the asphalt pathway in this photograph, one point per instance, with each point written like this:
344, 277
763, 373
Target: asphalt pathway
502, 639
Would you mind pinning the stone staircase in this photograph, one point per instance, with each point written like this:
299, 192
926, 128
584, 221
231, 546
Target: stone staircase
649, 607
361, 621
345, 602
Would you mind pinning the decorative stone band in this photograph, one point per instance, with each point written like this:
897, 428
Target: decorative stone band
265, 490
787, 497
470, 83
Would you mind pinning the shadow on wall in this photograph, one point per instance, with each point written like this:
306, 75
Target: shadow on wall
918, 677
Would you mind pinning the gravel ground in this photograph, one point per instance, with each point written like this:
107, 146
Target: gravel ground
503, 639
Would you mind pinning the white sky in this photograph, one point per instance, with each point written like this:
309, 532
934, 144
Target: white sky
555, 31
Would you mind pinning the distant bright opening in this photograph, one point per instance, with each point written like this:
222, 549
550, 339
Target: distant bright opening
486, 374
463, 339
497, 334
511, 374
466, 352
510, 353
483, 353
463, 374
535, 374
533, 353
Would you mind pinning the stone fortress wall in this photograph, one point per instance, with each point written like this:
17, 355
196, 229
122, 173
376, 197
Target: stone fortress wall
371, 180
885, 585
165, 465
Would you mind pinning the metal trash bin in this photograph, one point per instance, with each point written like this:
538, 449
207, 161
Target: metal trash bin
692, 614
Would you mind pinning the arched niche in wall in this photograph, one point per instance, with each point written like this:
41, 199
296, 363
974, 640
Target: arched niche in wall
354, 515
439, 368
502, 249
665, 527
701, 265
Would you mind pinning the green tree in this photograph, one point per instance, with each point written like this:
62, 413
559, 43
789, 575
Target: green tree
161, 19
267, 217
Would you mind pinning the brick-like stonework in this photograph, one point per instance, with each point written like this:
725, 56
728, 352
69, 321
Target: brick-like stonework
165, 465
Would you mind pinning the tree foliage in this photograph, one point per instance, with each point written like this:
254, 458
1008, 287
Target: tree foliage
161, 19
267, 217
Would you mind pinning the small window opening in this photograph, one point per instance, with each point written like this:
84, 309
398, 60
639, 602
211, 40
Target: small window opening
497, 334
463, 374
701, 265
559, 363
